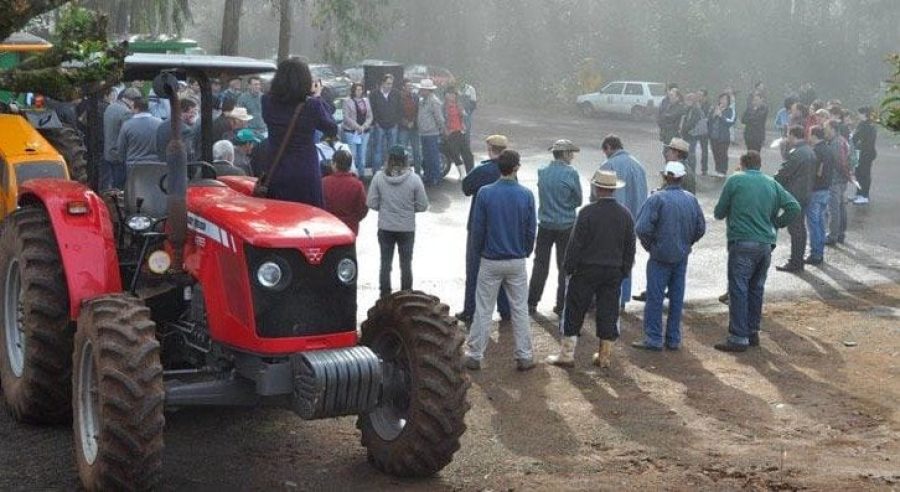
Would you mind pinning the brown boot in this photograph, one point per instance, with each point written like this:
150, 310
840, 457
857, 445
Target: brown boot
604, 353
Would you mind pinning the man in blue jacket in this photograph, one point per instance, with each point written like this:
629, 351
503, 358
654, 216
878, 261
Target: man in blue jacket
503, 230
668, 225
483, 175
559, 193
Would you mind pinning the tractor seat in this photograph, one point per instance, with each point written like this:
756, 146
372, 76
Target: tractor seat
143, 182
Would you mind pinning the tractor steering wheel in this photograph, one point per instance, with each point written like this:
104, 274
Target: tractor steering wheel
195, 170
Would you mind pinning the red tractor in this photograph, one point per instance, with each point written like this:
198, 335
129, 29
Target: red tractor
189, 291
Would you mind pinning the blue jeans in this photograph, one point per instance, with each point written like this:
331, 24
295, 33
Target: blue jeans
431, 159
662, 276
816, 217
625, 294
409, 137
382, 136
358, 150
748, 263
473, 263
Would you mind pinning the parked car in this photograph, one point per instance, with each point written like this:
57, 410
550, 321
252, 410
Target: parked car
440, 75
332, 79
636, 98
355, 72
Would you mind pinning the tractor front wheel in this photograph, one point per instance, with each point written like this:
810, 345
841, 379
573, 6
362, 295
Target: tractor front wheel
35, 336
416, 427
117, 396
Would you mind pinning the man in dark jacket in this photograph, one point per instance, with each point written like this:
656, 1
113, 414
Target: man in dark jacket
387, 111
817, 212
599, 255
796, 175
671, 110
484, 174
754, 120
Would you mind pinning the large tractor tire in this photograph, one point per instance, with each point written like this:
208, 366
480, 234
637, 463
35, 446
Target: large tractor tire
415, 430
35, 333
117, 396
69, 143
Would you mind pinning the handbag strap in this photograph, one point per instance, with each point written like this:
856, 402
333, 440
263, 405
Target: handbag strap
281, 148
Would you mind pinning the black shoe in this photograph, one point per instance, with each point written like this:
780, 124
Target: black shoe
754, 340
673, 348
811, 260
790, 268
643, 346
730, 347
557, 310
642, 297
462, 316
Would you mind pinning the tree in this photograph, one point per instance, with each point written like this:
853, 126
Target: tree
144, 16
285, 16
890, 107
81, 60
17, 13
350, 27
231, 28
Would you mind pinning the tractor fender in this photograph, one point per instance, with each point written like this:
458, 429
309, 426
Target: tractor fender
87, 246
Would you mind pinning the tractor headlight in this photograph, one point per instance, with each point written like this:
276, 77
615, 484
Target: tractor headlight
139, 223
346, 270
269, 275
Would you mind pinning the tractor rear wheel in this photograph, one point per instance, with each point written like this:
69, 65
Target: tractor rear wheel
117, 395
416, 427
35, 336
69, 143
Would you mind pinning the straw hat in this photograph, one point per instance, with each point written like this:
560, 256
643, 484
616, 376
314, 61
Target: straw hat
607, 179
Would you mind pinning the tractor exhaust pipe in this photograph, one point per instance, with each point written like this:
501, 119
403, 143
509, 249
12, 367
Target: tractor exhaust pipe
166, 85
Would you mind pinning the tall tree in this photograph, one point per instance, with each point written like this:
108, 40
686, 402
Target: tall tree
231, 28
17, 13
286, 17
144, 16
350, 27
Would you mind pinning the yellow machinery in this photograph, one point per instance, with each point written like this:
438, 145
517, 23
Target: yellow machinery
24, 155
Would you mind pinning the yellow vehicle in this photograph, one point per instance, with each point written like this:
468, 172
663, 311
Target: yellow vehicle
24, 155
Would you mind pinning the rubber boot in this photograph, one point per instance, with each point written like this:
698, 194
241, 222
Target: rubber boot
462, 171
604, 353
566, 356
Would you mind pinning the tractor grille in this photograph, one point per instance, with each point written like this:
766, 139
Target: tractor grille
313, 301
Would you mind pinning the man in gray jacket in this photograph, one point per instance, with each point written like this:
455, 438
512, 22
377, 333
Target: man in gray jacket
112, 170
431, 127
398, 195
137, 139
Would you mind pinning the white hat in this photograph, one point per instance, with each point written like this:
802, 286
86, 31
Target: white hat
675, 168
240, 113
427, 84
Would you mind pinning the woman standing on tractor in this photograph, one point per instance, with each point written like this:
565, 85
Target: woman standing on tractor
294, 95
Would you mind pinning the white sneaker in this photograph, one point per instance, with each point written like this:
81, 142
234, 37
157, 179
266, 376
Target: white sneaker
719, 175
861, 200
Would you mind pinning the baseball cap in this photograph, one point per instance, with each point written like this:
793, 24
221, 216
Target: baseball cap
245, 136
675, 168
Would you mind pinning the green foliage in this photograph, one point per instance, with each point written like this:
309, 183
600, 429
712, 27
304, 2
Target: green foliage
350, 27
890, 107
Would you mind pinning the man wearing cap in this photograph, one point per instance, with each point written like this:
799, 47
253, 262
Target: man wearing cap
668, 225
503, 229
632, 196
430, 120
245, 146
112, 172
484, 174
559, 193
599, 255
755, 207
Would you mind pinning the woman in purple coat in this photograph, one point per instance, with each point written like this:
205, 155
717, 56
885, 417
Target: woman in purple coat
298, 178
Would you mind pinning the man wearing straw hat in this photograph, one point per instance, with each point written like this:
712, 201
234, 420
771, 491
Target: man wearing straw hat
599, 255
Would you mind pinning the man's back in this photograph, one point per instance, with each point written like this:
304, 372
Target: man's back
113, 117
629, 170
750, 201
138, 137
670, 221
559, 190
504, 222
796, 175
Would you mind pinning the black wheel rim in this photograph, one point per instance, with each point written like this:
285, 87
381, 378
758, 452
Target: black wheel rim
392, 413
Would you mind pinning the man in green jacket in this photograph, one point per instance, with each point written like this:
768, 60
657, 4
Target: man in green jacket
755, 206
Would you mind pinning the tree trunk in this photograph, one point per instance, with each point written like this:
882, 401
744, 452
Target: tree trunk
231, 28
286, 10
17, 13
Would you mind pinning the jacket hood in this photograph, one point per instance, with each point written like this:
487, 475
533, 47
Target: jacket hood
395, 180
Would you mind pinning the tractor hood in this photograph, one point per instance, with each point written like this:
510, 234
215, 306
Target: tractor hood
265, 223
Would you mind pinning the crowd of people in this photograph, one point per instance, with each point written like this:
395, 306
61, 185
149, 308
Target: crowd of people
326, 165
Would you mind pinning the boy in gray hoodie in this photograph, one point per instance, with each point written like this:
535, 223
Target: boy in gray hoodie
397, 194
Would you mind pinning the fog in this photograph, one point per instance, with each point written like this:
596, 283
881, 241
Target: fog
533, 51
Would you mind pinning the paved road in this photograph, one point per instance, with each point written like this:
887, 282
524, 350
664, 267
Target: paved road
236, 449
